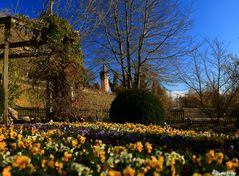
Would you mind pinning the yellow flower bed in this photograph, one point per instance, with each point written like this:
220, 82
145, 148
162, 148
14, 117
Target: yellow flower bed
70, 149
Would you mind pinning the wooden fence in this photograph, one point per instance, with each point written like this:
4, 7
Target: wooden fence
40, 114
177, 116
31, 112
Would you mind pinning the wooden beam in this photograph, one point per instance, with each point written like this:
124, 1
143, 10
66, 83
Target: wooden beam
24, 55
5, 72
6, 20
18, 44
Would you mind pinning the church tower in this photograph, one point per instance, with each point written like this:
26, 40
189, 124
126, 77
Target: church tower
104, 77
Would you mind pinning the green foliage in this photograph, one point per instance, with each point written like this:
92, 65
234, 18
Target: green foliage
14, 90
61, 38
13, 87
62, 68
136, 106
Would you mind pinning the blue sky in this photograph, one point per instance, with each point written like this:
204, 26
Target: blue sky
216, 19
211, 19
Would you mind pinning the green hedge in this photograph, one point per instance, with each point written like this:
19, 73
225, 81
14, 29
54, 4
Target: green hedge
136, 106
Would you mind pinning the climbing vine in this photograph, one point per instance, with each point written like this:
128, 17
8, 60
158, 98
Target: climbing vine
61, 68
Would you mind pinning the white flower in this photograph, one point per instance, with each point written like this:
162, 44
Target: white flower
226, 173
81, 169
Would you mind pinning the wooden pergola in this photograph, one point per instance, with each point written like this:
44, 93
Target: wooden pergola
8, 22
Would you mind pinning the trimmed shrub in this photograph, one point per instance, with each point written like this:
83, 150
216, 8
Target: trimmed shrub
136, 106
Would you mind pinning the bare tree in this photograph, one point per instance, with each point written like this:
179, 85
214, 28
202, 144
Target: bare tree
142, 32
211, 75
81, 14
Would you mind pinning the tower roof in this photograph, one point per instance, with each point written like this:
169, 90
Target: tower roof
104, 69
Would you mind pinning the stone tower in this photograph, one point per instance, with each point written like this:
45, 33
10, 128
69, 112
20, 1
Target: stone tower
104, 77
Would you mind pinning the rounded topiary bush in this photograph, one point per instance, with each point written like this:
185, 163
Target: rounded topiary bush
136, 106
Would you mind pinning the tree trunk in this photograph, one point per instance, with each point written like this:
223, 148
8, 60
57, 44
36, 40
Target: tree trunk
127, 30
120, 44
51, 7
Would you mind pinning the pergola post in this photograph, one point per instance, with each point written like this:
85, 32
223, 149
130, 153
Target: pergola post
5, 72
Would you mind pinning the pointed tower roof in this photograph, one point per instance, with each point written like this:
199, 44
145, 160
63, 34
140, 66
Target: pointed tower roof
104, 69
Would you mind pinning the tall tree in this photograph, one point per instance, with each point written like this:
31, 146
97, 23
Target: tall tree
142, 32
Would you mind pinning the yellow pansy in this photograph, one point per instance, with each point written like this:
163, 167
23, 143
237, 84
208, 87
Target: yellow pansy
128, 171
14, 146
113, 173
3, 146
51, 164
19, 137
21, 161
118, 149
82, 139
66, 156
21, 144
197, 174
148, 147
139, 146
233, 164
43, 163
219, 157
2, 137
13, 134
98, 142
32, 168
210, 156
74, 143
7, 171
59, 166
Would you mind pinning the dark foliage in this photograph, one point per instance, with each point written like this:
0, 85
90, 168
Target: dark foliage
136, 106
